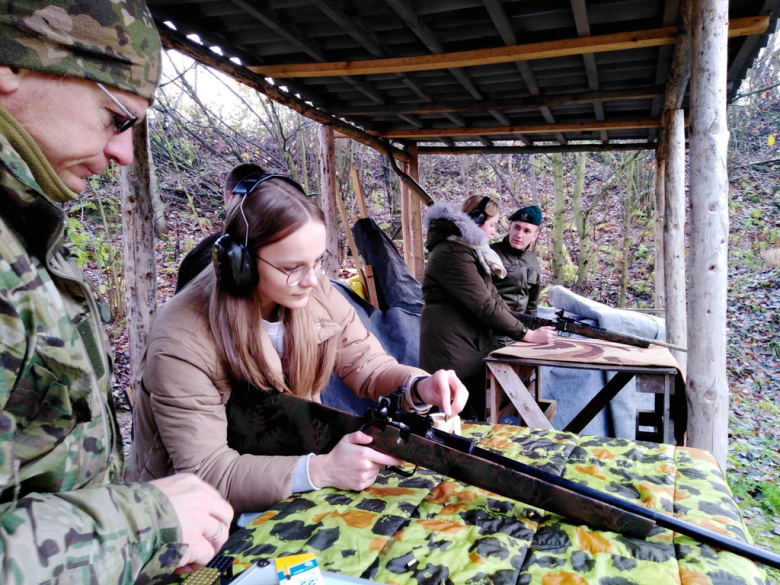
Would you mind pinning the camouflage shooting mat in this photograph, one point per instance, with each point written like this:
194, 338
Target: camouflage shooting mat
431, 530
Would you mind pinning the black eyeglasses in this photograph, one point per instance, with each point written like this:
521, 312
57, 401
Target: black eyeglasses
119, 124
296, 275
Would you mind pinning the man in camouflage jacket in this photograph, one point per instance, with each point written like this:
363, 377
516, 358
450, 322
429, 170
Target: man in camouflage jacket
522, 284
61, 518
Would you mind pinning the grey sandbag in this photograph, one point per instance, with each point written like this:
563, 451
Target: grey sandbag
395, 287
397, 330
624, 406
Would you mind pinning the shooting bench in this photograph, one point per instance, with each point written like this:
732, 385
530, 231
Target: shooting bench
656, 371
431, 530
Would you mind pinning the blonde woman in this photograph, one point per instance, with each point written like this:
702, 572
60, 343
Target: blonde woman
271, 320
463, 312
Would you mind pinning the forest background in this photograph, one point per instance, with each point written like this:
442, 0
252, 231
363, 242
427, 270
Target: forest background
598, 236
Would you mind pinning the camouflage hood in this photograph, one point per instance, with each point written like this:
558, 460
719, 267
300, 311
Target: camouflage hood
113, 42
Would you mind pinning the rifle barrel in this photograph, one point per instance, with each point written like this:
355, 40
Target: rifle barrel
703, 535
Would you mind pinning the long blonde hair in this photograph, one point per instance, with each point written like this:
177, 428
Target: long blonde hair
273, 211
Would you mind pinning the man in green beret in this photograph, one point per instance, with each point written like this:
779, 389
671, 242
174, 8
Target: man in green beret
74, 77
520, 288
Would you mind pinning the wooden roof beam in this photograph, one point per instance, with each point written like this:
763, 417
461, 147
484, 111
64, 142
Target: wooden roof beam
461, 150
406, 12
294, 37
545, 50
500, 19
580, 11
550, 119
529, 129
174, 40
534, 102
664, 62
366, 40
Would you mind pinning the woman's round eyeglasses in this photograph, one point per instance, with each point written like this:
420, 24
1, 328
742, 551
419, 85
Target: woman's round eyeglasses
296, 275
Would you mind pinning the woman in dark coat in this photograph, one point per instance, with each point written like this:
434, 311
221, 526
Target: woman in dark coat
463, 312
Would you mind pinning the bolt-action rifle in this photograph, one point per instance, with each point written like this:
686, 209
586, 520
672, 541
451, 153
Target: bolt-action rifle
569, 325
273, 423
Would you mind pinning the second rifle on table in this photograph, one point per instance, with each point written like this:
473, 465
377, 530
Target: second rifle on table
569, 325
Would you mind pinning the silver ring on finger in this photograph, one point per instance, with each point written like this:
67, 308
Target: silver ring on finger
216, 536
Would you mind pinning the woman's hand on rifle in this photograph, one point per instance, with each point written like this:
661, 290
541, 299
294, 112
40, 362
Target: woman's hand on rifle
541, 335
445, 390
350, 465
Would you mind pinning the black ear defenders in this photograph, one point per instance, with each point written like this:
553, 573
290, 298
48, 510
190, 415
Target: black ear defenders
479, 215
248, 184
233, 263
235, 268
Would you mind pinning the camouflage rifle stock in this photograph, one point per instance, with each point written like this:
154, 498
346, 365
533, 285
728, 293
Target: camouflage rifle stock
272, 423
569, 325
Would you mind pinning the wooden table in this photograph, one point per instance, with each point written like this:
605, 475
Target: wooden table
504, 379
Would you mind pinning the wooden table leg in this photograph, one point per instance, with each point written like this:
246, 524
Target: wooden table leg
667, 423
598, 402
492, 396
527, 408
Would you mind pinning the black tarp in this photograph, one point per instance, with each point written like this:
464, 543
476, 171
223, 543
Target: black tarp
396, 323
396, 288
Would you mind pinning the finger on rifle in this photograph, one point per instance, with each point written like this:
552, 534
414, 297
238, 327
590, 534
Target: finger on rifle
442, 387
459, 393
358, 438
382, 458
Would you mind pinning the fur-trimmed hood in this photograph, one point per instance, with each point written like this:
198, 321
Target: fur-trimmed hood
444, 220
447, 222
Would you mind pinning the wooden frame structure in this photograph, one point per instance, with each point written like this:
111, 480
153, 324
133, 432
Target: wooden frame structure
512, 76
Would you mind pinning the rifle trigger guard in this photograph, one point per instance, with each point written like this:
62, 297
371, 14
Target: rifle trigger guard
400, 471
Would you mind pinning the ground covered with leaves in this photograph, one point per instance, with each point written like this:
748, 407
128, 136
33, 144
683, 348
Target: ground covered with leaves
754, 355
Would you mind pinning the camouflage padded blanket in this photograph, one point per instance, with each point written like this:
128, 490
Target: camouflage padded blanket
432, 530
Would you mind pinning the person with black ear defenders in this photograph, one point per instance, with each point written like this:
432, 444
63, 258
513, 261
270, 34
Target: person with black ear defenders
238, 180
265, 315
463, 312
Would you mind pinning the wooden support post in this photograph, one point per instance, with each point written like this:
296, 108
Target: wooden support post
658, 215
140, 263
415, 226
354, 251
359, 197
674, 233
329, 191
407, 198
707, 381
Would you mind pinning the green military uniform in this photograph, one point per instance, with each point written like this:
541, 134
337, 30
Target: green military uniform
60, 518
522, 283
520, 288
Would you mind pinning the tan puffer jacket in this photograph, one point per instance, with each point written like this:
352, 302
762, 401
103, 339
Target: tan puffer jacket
181, 424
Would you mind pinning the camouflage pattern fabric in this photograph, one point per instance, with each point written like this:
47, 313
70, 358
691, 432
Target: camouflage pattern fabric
591, 351
431, 530
114, 42
61, 521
